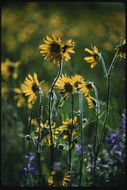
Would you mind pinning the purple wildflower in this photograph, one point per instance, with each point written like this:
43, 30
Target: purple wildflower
78, 149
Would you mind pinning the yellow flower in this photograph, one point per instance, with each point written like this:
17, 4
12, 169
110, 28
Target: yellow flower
53, 50
76, 81
94, 58
22, 99
67, 48
59, 178
122, 49
30, 87
90, 101
4, 90
86, 87
64, 85
9, 68
67, 127
45, 133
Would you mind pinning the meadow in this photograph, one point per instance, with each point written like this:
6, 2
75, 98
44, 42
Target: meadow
63, 94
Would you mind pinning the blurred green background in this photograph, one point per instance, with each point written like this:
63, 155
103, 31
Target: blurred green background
24, 25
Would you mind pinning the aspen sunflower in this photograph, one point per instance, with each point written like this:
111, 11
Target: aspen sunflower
86, 87
53, 50
4, 90
94, 58
67, 48
122, 49
90, 101
21, 98
9, 68
76, 81
67, 127
59, 178
30, 87
45, 133
64, 85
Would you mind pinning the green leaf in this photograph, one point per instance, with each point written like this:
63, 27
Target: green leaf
99, 149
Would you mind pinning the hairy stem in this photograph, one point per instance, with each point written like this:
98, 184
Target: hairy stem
50, 114
81, 125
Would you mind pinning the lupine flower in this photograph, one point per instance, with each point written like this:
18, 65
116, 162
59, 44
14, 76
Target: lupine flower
59, 178
122, 49
9, 68
94, 58
30, 87
67, 127
78, 149
65, 86
30, 157
54, 50
21, 98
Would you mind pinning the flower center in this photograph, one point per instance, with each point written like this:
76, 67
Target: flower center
64, 48
68, 87
76, 84
123, 48
55, 48
34, 87
89, 86
95, 56
11, 68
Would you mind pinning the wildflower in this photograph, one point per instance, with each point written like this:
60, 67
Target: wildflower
90, 101
45, 133
76, 81
94, 58
59, 178
65, 86
67, 48
122, 49
30, 87
68, 127
21, 98
30, 157
4, 90
86, 87
9, 68
78, 149
53, 50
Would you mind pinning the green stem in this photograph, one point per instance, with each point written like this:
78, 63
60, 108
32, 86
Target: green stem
50, 114
106, 115
81, 125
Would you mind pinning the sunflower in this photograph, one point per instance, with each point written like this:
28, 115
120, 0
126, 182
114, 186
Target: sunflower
90, 101
76, 81
68, 127
4, 90
21, 98
86, 87
67, 48
45, 133
122, 49
53, 50
9, 68
64, 85
59, 178
30, 87
94, 58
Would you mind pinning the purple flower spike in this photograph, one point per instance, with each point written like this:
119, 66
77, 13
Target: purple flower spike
78, 149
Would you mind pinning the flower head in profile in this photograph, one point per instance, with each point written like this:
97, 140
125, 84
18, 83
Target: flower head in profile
67, 48
9, 69
65, 86
86, 87
90, 101
76, 81
94, 58
59, 178
68, 127
53, 50
21, 98
30, 87
122, 49
4, 90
